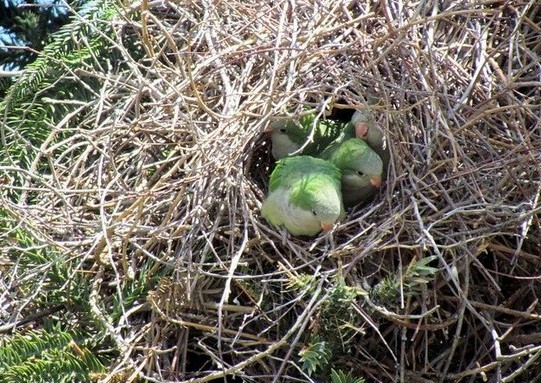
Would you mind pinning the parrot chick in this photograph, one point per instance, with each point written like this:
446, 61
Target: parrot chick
304, 196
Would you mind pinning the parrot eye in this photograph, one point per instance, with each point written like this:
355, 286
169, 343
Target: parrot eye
314, 213
283, 130
360, 174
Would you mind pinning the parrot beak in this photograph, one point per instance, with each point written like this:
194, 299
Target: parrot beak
326, 226
361, 130
376, 181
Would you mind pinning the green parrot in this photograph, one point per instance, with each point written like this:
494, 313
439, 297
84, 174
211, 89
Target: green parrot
289, 136
361, 169
304, 195
366, 129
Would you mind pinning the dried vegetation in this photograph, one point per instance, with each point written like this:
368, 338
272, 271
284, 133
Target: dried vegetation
165, 182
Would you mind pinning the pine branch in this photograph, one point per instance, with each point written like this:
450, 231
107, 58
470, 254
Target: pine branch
45, 356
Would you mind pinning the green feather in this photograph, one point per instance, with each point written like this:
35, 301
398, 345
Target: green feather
304, 195
308, 132
290, 170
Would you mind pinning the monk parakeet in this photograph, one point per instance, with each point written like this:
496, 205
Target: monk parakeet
367, 129
289, 136
361, 169
304, 195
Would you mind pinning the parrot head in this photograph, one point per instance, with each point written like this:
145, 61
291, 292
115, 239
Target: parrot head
287, 137
362, 120
360, 165
366, 129
319, 201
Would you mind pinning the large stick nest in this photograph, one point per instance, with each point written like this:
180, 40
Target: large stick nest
170, 179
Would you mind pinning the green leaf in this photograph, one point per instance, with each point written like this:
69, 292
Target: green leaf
342, 377
314, 357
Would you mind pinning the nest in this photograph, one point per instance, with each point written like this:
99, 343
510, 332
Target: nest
435, 280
